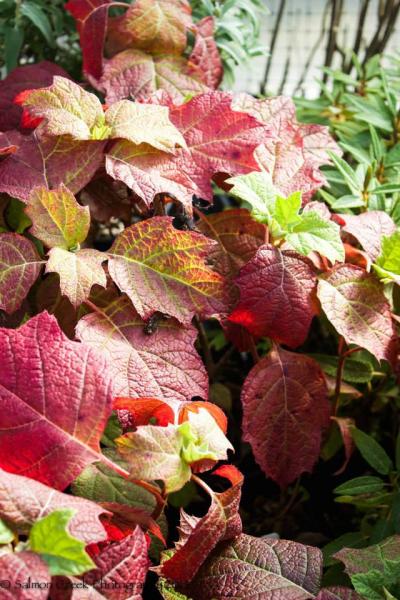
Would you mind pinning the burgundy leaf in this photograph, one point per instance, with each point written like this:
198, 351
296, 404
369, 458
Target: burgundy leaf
345, 425
23, 501
48, 387
91, 18
48, 162
121, 568
354, 302
338, 593
250, 567
277, 295
368, 228
164, 364
28, 77
199, 536
285, 409
17, 569
205, 55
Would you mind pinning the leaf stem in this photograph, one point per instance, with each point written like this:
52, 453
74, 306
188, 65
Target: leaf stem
203, 485
254, 351
339, 373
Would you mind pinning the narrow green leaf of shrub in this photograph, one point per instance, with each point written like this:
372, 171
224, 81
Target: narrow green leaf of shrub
387, 188
13, 40
33, 12
355, 371
64, 554
360, 485
6, 535
347, 172
371, 451
353, 539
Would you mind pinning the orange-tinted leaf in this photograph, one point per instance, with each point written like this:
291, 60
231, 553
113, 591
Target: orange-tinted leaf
144, 410
285, 408
213, 409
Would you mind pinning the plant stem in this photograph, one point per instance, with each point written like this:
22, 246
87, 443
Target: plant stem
254, 351
203, 485
339, 373
205, 346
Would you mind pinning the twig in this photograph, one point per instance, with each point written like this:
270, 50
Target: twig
359, 34
285, 74
263, 86
336, 14
204, 346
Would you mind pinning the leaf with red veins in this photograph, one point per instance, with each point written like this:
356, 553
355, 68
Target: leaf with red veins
199, 536
48, 162
78, 272
238, 235
91, 18
291, 152
48, 387
23, 501
285, 408
20, 265
156, 26
218, 139
277, 295
368, 228
205, 55
355, 304
250, 567
23, 78
163, 269
19, 568
164, 365
121, 568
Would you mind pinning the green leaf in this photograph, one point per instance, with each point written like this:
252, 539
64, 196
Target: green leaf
13, 40
6, 534
347, 172
388, 262
258, 191
286, 210
353, 539
355, 371
360, 485
371, 451
376, 114
314, 233
64, 553
38, 17
168, 591
387, 188
377, 148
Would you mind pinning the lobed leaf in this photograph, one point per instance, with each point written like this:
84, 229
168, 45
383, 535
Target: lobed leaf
285, 409
21, 567
48, 386
163, 269
368, 228
354, 302
205, 55
20, 265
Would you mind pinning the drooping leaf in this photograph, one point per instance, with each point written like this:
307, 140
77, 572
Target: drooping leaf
121, 568
136, 74
164, 364
91, 18
62, 552
29, 76
388, 262
211, 149
78, 272
250, 567
17, 568
205, 54
199, 536
156, 26
277, 295
48, 162
292, 152
57, 218
20, 266
163, 269
48, 387
368, 228
23, 501
238, 236
285, 409
371, 451
354, 302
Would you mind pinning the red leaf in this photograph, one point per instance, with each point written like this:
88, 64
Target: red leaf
277, 295
205, 55
345, 425
48, 162
19, 568
164, 364
338, 593
48, 387
354, 302
22, 78
219, 140
121, 568
23, 501
285, 408
145, 409
91, 17
368, 228
199, 536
